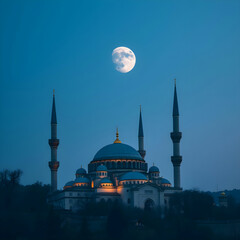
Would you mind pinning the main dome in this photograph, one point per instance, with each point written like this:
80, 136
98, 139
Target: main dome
117, 151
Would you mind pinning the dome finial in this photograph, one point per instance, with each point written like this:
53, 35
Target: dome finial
117, 139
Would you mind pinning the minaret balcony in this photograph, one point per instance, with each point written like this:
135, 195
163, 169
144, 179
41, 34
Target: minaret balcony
176, 137
53, 165
53, 142
176, 160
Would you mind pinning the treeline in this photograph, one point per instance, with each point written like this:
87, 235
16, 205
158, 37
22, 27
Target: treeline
25, 215
197, 205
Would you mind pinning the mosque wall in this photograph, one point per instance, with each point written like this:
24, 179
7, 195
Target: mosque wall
126, 195
141, 195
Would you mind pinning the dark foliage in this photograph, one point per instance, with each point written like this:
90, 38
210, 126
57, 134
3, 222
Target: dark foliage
193, 205
25, 214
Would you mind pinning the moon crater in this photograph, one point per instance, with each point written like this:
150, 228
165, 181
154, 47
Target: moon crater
124, 59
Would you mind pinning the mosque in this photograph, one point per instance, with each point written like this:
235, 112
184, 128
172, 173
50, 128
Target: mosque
117, 172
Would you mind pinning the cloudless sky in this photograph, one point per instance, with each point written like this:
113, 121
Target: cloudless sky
67, 46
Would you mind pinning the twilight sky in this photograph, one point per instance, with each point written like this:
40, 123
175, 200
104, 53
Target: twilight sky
67, 46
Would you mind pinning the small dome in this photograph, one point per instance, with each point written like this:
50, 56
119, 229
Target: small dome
81, 180
69, 184
117, 151
153, 169
133, 176
165, 181
101, 168
106, 180
81, 171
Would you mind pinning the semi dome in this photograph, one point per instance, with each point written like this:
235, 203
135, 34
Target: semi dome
68, 184
81, 171
117, 151
106, 180
153, 169
102, 168
165, 181
81, 180
133, 176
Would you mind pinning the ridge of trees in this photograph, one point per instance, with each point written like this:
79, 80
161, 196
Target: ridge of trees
25, 214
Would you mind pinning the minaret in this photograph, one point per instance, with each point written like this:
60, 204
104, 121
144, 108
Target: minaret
176, 137
53, 143
141, 137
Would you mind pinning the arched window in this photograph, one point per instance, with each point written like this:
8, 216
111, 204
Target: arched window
118, 164
134, 164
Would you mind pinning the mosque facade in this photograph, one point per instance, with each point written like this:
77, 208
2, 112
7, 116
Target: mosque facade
117, 172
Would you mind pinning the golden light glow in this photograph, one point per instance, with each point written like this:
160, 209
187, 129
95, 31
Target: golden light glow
106, 185
120, 189
107, 190
166, 185
81, 184
134, 181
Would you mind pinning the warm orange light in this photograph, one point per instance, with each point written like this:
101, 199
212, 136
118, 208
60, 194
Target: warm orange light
80, 184
106, 190
119, 189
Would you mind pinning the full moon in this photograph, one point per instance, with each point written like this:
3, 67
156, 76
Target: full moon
124, 59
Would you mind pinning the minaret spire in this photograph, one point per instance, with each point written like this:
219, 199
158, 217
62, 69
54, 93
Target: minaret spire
54, 115
175, 101
176, 137
141, 136
53, 143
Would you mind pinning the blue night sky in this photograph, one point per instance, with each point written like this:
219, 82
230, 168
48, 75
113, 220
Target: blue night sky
67, 46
